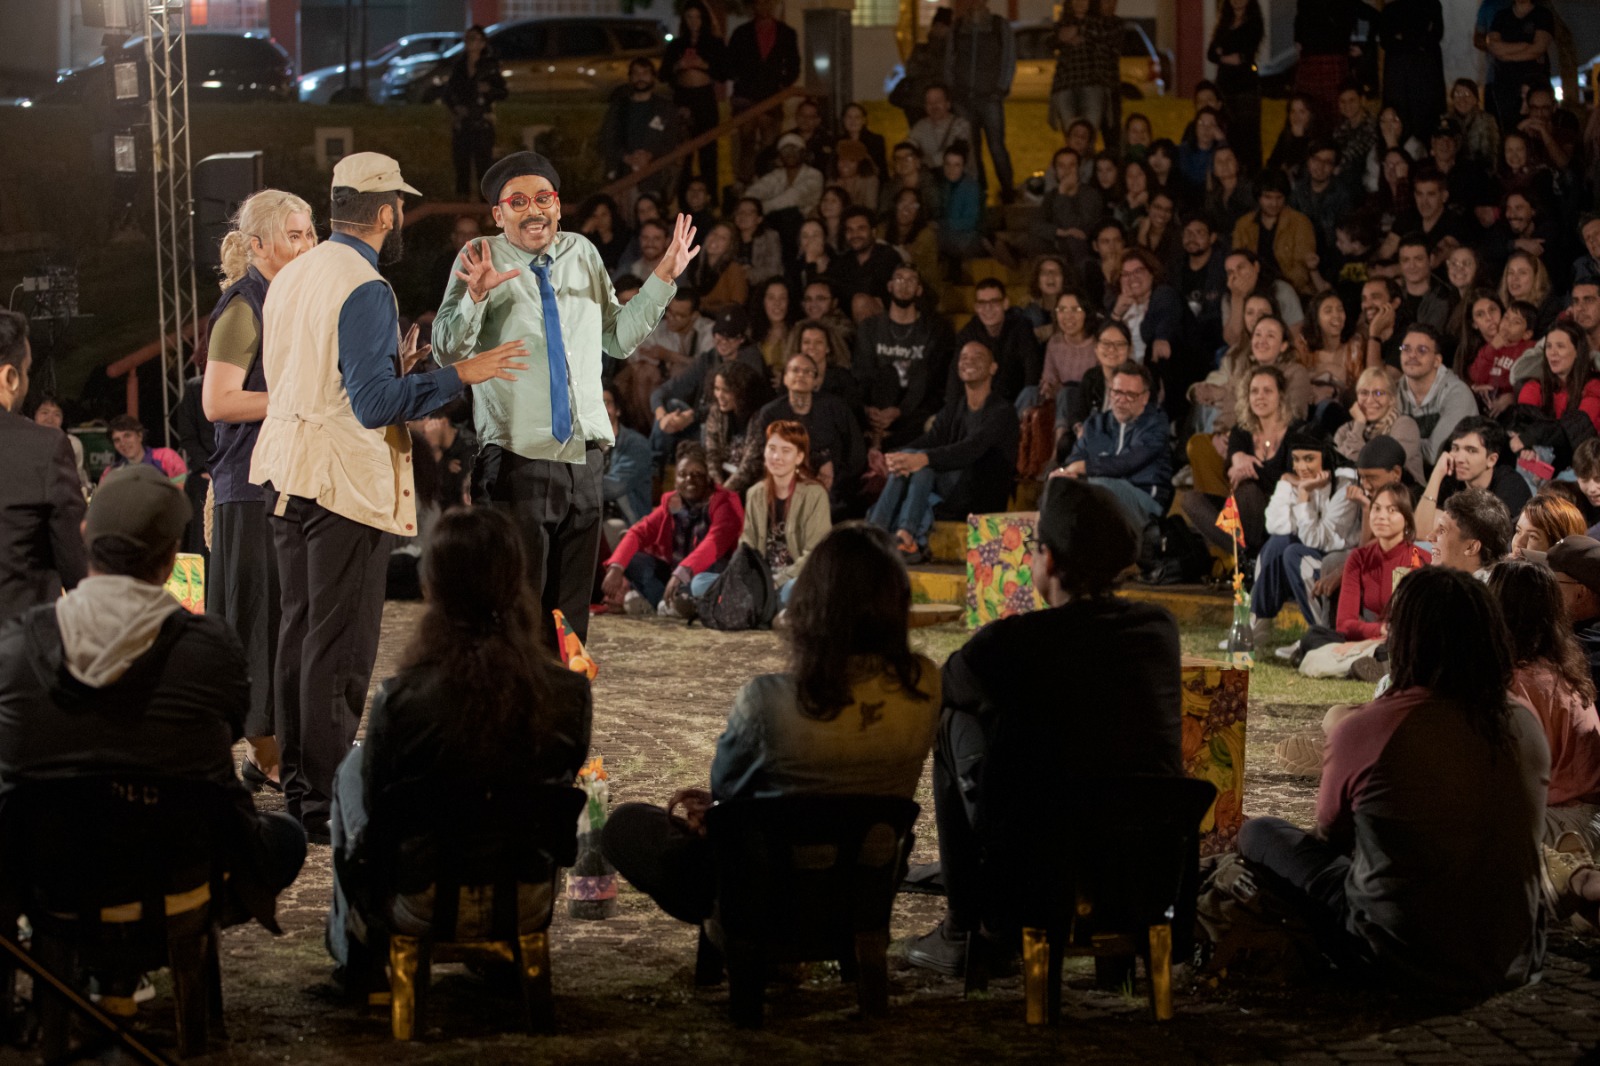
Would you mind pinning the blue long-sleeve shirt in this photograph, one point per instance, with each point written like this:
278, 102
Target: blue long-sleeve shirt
369, 361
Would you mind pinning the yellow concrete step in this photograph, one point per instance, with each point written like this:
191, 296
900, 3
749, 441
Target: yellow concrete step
939, 584
947, 543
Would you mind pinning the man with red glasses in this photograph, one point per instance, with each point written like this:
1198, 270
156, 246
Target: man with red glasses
542, 433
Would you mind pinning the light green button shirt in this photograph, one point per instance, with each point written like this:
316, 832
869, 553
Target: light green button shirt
516, 414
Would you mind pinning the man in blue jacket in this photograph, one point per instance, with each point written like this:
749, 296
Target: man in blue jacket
1126, 450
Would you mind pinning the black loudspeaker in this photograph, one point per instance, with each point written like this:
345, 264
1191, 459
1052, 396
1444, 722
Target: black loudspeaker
221, 183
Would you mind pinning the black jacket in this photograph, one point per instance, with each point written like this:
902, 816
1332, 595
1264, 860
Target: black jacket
982, 445
41, 508
755, 78
408, 761
177, 712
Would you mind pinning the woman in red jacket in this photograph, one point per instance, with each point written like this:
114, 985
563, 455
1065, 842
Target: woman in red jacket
676, 551
1369, 573
1564, 376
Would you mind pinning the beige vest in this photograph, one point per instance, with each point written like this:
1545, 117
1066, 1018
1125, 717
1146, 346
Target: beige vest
311, 444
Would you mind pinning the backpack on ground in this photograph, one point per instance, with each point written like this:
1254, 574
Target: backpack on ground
742, 597
1183, 556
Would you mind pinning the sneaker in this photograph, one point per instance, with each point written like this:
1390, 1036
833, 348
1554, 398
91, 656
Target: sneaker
1559, 866
665, 609
1287, 652
636, 606
939, 951
1368, 669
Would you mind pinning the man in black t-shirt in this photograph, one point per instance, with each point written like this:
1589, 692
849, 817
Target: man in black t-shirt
1519, 40
901, 360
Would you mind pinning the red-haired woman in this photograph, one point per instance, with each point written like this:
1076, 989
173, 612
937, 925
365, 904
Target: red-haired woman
786, 513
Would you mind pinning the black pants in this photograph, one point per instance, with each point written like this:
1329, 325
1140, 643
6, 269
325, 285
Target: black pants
1244, 128
330, 579
243, 589
701, 103
558, 507
663, 858
1202, 510
957, 756
1306, 873
471, 148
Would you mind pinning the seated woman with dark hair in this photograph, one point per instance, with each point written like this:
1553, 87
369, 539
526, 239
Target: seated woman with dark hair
738, 391
1424, 868
675, 552
479, 702
1553, 680
855, 714
1370, 573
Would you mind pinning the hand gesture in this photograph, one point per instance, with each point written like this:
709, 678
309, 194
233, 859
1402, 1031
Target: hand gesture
1245, 467
1382, 325
695, 803
1446, 467
614, 585
681, 252
497, 362
410, 353
1357, 495
478, 271
674, 587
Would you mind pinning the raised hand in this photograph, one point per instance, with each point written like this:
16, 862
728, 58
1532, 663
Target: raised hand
497, 362
680, 252
478, 271
410, 353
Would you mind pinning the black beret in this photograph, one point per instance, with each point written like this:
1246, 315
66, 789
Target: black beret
517, 165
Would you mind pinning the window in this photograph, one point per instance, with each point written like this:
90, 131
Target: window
876, 13
520, 43
581, 39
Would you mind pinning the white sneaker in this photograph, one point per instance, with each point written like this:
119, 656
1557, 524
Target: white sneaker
636, 606
1288, 651
1222, 645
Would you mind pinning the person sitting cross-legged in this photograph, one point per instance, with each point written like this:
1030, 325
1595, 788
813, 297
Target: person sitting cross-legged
479, 704
115, 676
855, 714
1124, 449
675, 552
1009, 719
1310, 514
787, 513
962, 464
1423, 868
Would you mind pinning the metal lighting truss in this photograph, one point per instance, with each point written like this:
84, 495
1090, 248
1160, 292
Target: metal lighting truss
167, 54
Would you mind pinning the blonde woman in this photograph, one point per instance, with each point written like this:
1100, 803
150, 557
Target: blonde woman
270, 230
1525, 278
1376, 413
1271, 344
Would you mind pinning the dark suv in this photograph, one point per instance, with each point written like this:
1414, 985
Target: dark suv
222, 67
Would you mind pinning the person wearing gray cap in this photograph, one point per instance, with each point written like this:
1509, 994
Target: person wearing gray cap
116, 676
335, 458
543, 432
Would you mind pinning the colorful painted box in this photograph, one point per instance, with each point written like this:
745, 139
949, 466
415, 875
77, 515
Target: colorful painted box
1216, 703
1000, 562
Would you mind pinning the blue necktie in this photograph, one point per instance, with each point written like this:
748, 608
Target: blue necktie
556, 353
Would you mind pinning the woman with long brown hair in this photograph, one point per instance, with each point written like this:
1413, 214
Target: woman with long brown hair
479, 705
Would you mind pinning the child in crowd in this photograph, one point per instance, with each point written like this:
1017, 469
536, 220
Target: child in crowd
1504, 343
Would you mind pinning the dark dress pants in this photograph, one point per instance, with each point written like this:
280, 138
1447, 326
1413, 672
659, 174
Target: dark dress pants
663, 858
242, 588
957, 760
331, 573
559, 509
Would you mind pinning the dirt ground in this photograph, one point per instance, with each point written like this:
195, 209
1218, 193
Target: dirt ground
623, 986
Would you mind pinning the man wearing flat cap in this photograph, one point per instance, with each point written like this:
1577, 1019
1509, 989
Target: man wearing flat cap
542, 434
116, 677
334, 456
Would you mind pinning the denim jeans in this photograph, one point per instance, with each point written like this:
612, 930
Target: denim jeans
1280, 577
648, 576
1141, 508
907, 502
664, 445
988, 119
1079, 101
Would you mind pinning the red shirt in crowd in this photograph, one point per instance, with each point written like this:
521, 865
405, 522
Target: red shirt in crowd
1492, 366
1368, 584
1532, 394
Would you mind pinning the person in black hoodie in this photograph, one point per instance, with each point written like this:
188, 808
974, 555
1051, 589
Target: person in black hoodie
1005, 331
1009, 723
117, 676
475, 85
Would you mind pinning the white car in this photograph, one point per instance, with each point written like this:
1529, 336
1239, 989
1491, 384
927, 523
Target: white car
319, 86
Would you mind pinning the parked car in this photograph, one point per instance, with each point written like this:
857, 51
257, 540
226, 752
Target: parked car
589, 56
319, 86
1144, 69
222, 68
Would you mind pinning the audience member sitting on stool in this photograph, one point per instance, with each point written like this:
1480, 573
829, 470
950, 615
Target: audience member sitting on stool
1423, 869
1124, 449
1471, 533
963, 463
478, 701
855, 715
1552, 679
1045, 682
117, 676
787, 512
676, 551
1310, 514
